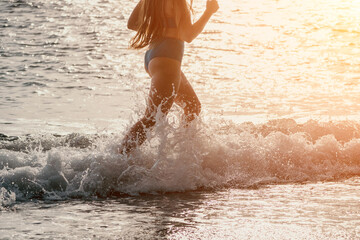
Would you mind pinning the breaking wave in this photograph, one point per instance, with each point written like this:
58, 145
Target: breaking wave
214, 154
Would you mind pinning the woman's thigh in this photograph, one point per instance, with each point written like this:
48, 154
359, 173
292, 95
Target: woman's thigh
186, 97
165, 82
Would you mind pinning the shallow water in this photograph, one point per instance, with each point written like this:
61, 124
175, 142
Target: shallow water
274, 155
308, 211
65, 66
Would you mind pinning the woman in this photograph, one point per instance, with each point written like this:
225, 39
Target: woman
163, 26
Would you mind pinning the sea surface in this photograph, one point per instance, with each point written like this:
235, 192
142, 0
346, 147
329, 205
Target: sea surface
275, 153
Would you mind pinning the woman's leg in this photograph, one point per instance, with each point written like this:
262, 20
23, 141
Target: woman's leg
187, 99
165, 83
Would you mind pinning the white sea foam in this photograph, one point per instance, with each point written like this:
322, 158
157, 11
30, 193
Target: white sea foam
6, 197
204, 155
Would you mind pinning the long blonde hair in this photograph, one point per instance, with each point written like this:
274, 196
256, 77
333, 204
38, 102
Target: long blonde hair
152, 21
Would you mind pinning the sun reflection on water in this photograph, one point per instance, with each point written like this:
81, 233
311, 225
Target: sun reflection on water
256, 60
296, 59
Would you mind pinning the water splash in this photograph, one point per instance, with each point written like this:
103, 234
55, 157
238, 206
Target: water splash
7, 198
204, 155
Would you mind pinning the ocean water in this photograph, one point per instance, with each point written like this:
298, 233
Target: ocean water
275, 153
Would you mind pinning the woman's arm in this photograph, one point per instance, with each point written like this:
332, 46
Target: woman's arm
133, 22
191, 31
